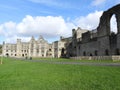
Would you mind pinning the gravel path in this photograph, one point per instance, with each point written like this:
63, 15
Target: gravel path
78, 63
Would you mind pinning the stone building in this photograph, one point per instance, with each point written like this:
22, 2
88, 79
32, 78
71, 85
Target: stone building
101, 41
60, 47
33, 48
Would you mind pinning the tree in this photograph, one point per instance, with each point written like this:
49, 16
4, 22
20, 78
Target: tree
0, 49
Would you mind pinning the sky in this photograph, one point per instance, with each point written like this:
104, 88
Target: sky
50, 18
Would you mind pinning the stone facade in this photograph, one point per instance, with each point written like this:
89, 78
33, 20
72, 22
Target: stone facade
60, 47
101, 41
33, 48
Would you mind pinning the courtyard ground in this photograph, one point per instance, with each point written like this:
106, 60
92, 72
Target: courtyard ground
59, 74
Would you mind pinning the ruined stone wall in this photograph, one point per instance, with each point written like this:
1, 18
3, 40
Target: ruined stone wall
104, 32
104, 46
89, 48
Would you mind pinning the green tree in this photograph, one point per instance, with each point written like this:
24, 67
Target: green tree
0, 49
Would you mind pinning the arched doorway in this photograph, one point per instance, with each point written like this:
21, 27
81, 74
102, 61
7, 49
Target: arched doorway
7, 54
63, 52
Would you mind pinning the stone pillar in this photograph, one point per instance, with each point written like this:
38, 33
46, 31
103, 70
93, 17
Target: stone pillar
104, 25
118, 28
118, 22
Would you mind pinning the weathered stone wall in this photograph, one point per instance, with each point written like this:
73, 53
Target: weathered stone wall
88, 48
103, 45
34, 48
118, 41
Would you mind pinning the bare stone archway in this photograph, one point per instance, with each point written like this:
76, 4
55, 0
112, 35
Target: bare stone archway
104, 32
104, 25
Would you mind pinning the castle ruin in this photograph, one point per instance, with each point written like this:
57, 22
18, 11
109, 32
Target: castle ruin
98, 42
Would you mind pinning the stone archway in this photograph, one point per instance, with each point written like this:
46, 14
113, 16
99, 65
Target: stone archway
104, 25
104, 32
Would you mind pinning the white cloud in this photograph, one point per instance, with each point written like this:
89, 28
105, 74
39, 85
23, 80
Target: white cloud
49, 27
90, 21
52, 26
98, 2
8, 29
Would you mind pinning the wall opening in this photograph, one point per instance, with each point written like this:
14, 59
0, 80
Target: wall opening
96, 52
7, 54
22, 55
90, 54
113, 24
63, 51
106, 52
117, 51
84, 53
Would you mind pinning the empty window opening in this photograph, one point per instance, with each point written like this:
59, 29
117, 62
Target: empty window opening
113, 24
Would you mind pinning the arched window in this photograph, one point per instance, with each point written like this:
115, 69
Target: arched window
63, 51
113, 24
7, 54
22, 55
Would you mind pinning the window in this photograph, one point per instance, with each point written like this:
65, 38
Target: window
49, 49
24, 50
22, 55
37, 50
7, 54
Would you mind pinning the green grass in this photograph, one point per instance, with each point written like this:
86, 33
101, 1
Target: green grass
24, 75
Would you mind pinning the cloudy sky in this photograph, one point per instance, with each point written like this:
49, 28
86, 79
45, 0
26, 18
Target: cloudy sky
49, 18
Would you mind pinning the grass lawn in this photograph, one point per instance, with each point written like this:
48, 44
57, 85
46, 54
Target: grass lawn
71, 60
24, 75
